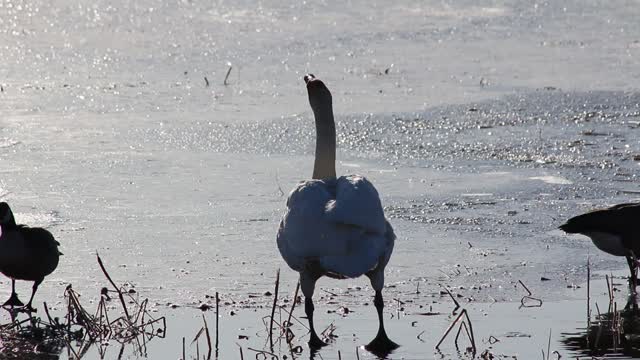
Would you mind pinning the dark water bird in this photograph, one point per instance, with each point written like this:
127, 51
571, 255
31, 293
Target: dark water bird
335, 227
26, 253
614, 230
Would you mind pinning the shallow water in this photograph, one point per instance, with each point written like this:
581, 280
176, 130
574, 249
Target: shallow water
483, 125
416, 319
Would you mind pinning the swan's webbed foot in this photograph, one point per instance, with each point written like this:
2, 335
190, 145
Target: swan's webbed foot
13, 301
381, 345
315, 342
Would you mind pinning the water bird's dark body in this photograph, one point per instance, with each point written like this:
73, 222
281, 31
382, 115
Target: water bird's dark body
614, 230
26, 253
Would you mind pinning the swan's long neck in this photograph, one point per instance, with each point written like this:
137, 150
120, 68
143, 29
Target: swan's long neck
325, 163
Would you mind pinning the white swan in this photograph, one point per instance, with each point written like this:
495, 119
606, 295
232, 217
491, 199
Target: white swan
25, 254
335, 226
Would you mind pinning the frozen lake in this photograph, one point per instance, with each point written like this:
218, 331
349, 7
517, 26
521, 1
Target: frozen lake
484, 125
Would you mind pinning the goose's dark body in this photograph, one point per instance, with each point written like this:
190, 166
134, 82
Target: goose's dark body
40, 257
26, 253
614, 230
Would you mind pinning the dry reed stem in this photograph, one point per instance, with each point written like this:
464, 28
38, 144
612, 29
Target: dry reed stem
273, 308
453, 323
278, 183
588, 292
462, 325
600, 328
124, 306
263, 352
206, 329
292, 317
217, 318
470, 334
468, 329
226, 77
549, 345
79, 331
452, 298
293, 305
195, 338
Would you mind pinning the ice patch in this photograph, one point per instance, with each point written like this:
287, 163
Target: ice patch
556, 180
38, 219
351, 165
5, 143
382, 171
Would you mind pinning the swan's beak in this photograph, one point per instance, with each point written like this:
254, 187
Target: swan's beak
308, 78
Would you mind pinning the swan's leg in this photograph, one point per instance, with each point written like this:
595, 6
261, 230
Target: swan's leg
381, 343
13, 299
307, 284
28, 307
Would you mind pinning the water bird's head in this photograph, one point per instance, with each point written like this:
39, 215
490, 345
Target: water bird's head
6, 216
319, 96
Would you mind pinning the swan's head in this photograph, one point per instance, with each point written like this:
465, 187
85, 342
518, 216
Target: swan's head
319, 95
6, 216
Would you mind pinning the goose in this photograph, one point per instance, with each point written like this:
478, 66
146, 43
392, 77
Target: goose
26, 253
335, 227
613, 230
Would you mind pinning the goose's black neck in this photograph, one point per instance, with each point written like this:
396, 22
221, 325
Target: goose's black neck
9, 224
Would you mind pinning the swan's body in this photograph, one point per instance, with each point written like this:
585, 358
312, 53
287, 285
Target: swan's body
339, 223
25, 254
335, 226
614, 230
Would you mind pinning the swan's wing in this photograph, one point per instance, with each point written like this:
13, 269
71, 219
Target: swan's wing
357, 203
304, 231
369, 251
339, 223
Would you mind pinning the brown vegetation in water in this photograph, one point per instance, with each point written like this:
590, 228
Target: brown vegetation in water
78, 330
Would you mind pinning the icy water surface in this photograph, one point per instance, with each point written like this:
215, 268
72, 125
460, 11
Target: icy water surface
484, 125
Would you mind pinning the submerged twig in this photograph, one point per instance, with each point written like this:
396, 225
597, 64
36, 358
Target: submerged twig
537, 302
226, 77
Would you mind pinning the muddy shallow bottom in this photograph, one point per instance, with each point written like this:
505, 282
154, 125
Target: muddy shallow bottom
417, 321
